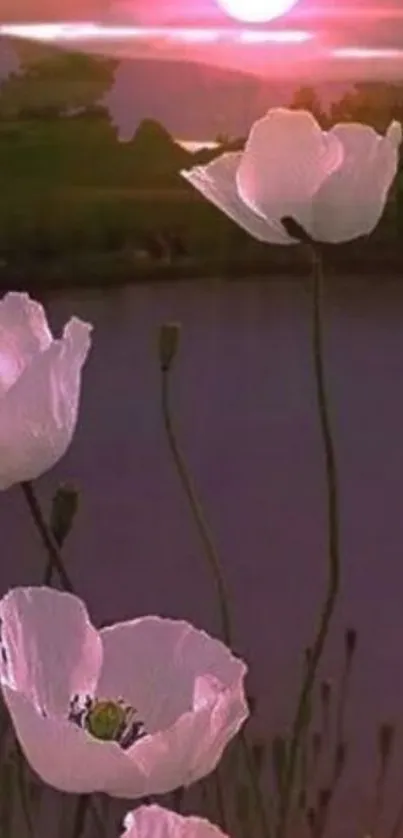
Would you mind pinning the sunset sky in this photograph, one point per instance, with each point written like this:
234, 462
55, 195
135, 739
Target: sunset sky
347, 38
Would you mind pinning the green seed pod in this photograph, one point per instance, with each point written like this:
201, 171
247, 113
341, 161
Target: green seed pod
105, 719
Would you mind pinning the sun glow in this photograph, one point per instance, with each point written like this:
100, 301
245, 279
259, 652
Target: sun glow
256, 11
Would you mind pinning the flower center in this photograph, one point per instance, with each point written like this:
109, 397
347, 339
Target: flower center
110, 721
105, 719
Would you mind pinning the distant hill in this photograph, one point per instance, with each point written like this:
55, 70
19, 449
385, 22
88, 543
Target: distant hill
195, 101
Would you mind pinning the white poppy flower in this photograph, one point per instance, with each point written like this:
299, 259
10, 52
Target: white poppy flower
137, 708
39, 388
334, 183
156, 822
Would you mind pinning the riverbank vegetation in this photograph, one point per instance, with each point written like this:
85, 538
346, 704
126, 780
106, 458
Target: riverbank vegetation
77, 205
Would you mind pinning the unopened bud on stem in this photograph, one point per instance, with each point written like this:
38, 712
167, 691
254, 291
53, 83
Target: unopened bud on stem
386, 736
350, 642
340, 760
168, 344
64, 509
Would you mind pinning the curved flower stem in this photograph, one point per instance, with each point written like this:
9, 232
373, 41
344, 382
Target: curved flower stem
56, 562
333, 548
55, 559
197, 511
214, 563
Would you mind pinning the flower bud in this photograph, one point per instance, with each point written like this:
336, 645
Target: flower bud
64, 509
340, 759
350, 639
386, 735
168, 344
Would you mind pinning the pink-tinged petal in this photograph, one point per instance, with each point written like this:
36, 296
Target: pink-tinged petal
167, 758
24, 332
351, 202
39, 413
286, 159
77, 342
192, 747
187, 688
395, 133
53, 650
153, 663
67, 757
217, 183
155, 822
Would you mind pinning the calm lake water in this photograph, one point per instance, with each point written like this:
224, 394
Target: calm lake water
246, 412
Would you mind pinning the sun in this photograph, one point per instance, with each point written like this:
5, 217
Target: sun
256, 11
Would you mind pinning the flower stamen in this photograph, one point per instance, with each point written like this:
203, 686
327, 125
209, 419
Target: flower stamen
107, 720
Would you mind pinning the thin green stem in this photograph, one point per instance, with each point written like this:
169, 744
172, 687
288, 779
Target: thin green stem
333, 549
196, 510
55, 562
55, 559
214, 563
